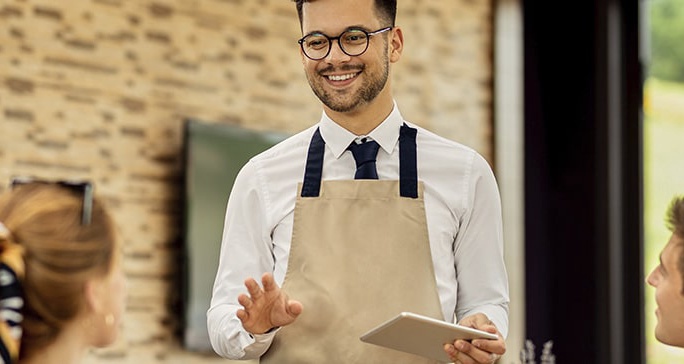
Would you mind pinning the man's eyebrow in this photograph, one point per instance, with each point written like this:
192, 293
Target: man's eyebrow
314, 32
358, 26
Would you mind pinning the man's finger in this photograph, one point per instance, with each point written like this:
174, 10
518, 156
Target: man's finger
253, 288
492, 346
268, 282
471, 352
242, 315
294, 308
245, 301
451, 351
463, 358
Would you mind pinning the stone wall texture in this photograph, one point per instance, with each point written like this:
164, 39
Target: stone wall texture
99, 89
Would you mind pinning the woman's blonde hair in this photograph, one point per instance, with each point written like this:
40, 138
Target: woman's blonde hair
60, 254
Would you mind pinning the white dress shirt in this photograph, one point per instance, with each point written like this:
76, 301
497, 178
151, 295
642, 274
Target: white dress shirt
462, 206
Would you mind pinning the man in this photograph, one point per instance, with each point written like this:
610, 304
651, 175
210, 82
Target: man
668, 280
419, 228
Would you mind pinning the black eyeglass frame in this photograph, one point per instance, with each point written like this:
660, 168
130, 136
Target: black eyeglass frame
339, 41
83, 187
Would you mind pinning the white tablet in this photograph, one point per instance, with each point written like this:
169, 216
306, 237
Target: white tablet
421, 335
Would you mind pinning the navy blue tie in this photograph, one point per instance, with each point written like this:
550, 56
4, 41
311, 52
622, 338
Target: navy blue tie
364, 155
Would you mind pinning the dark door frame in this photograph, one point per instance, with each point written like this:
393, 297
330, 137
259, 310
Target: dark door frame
583, 179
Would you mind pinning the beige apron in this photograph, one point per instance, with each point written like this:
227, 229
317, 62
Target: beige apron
359, 255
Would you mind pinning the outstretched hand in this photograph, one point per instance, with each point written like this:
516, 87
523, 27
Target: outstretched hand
267, 307
480, 351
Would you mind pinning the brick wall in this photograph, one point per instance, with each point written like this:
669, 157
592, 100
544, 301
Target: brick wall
99, 89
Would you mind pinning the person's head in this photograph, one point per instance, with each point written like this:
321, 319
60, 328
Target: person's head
668, 280
349, 77
385, 9
67, 262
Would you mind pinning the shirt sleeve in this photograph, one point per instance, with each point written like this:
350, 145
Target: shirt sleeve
245, 252
479, 257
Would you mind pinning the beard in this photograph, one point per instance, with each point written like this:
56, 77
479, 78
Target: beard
343, 100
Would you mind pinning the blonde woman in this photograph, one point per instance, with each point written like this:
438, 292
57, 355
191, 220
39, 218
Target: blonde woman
61, 284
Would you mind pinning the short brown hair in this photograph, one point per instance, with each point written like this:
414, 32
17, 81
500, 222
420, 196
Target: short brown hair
60, 255
387, 10
675, 223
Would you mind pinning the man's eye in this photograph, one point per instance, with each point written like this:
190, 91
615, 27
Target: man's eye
317, 43
355, 38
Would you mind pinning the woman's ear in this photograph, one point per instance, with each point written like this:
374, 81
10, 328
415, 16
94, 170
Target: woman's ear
94, 295
396, 44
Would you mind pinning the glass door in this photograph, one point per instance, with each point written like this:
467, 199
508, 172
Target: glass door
663, 147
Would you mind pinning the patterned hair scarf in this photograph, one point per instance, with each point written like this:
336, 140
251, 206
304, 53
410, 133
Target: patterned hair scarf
11, 297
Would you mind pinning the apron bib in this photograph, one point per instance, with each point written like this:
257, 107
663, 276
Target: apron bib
359, 255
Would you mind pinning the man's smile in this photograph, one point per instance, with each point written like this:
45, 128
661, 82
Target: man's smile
343, 77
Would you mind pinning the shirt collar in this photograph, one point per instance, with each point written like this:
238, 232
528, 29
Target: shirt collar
338, 138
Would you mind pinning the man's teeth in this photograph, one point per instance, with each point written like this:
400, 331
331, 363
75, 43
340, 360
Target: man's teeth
341, 77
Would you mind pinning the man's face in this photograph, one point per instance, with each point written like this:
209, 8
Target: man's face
346, 83
667, 280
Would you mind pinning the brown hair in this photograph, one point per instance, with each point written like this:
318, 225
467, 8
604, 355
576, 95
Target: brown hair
60, 255
675, 222
386, 9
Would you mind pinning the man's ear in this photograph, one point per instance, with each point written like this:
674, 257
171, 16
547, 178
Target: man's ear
396, 44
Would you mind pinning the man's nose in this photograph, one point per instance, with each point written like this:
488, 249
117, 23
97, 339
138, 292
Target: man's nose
336, 53
650, 279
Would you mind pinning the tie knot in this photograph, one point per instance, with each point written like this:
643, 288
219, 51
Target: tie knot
365, 155
364, 152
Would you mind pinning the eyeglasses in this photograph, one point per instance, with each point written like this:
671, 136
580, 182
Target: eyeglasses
85, 188
353, 42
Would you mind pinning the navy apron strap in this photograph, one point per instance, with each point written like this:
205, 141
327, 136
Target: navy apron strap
314, 166
408, 165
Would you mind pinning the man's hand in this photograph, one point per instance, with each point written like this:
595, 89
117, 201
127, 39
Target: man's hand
264, 309
479, 351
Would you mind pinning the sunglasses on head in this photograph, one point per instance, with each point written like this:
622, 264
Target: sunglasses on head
85, 188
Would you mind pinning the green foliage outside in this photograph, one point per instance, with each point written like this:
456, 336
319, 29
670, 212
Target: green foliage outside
667, 39
663, 179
